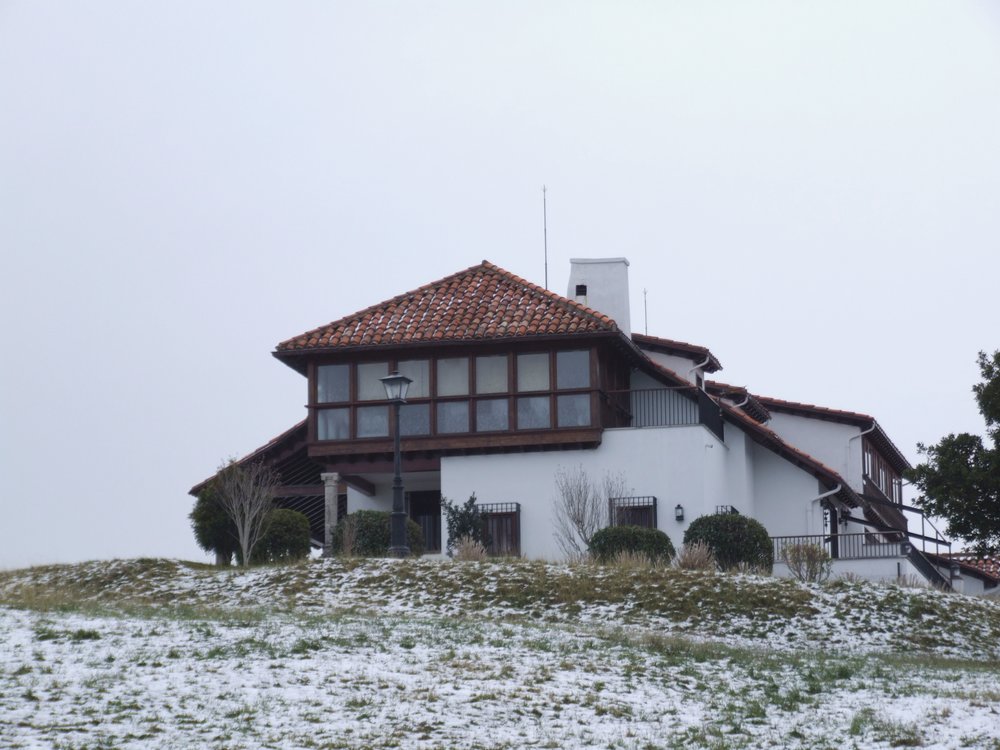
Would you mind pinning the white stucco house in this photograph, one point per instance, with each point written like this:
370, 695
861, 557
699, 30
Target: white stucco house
512, 382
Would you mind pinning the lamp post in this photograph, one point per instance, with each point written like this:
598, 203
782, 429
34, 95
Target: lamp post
395, 393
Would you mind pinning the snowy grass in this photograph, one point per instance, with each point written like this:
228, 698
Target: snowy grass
423, 654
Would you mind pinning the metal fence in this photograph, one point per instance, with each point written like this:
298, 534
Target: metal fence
863, 546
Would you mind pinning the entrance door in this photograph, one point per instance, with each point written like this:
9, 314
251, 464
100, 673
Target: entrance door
425, 510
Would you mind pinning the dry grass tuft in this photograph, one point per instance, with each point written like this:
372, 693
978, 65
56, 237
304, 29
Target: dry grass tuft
468, 549
697, 556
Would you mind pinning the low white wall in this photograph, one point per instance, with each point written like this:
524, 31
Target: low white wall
881, 569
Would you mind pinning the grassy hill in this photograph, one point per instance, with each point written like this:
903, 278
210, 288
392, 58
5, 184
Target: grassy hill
384, 653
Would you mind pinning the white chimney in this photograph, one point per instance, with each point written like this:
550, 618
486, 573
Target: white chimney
602, 284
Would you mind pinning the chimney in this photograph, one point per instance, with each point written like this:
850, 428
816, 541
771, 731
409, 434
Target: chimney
602, 284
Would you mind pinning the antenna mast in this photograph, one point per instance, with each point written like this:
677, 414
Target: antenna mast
645, 310
545, 235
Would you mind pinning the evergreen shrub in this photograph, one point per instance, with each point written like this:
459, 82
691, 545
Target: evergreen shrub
607, 543
372, 535
735, 540
285, 538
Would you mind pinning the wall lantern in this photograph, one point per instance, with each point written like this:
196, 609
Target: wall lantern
679, 512
395, 393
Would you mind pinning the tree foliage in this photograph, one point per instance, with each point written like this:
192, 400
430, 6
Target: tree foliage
464, 522
213, 529
960, 480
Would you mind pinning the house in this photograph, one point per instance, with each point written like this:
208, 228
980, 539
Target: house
512, 383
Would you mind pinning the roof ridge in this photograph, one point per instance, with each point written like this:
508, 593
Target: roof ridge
816, 407
553, 296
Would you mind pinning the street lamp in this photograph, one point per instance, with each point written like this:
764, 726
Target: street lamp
395, 393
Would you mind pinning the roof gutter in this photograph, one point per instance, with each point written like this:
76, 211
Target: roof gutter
698, 366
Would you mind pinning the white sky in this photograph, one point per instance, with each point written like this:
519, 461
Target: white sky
810, 189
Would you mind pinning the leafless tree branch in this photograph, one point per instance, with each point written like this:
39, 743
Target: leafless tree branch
246, 494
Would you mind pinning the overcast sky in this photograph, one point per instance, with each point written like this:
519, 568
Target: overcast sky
810, 189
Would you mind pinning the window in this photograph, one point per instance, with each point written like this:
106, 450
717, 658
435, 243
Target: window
491, 415
334, 424
419, 371
572, 369
453, 416
453, 377
533, 372
491, 374
370, 388
333, 383
373, 421
633, 511
533, 413
573, 410
503, 528
415, 419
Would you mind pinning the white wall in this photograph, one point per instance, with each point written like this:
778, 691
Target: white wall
880, 569
783, 495
680, 365
830, 442
607, 287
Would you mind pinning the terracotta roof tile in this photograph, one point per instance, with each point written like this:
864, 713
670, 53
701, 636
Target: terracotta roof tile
482, 302
680, 348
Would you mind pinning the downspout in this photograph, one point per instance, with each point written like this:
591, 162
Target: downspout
847, 461
698, 366
820, 497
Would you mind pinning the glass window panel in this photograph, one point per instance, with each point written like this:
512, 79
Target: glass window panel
419, 371
533, 413
453, 377
491, 374
333, 383
415, 419
533, 372
370, 388
574, 410
453, 416
373, 421
573, 369
333, 424
491, 415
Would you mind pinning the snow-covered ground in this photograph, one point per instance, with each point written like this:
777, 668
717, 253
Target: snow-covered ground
335, 656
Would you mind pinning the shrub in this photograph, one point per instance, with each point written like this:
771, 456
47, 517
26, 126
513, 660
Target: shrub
463, 521
809, 563
285, 538
697, 556
652, 543
372, 535
734, 540
214, 531
468, 549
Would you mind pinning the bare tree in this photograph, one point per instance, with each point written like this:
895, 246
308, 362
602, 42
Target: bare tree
246, 494
582, 508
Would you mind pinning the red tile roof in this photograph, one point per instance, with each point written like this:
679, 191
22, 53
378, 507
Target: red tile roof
679, 348
481, 302
988, 565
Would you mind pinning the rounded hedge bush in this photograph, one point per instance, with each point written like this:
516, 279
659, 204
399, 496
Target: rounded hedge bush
213, 530
285, 538
652, 543
372, 533
733, 539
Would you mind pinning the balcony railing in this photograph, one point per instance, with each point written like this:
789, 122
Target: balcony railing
862, 546
665, 407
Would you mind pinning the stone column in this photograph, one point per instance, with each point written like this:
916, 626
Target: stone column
331, 482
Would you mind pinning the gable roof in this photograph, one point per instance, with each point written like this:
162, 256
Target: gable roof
877, 435
679, 349
483, 302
